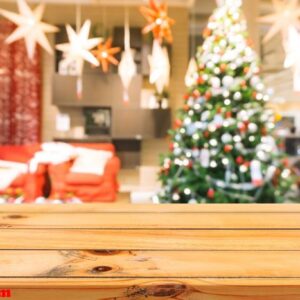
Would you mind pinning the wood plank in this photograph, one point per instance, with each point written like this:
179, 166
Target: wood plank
150, 220
160, 289
62, 239
165, 208
149, 264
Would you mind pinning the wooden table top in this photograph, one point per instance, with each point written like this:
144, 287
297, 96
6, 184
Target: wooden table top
126, 252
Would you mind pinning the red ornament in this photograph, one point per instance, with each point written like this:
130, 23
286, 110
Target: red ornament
171, 147
242, 127
211, 194
186, 97
219, 110
227, 148
228, 114
244, 84
247, 164
240, 160
196, 94
206, 134
186, 107
246, 70
208, 95
200, 80
264, 131
178, 123
223, 67
206, 32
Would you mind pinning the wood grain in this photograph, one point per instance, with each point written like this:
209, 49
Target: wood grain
150, 264
135, 220
150, 208
215, 240
179, 252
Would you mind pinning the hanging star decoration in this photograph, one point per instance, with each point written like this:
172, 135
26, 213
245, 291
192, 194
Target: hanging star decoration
79, 46
292, 59
286, 14
127, 67
158, 21
30, 27
105, 54
159, 67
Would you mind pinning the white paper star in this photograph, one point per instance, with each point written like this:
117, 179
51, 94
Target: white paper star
159, 67
30, 27
286, 14
292, 46
79, 46
127, 66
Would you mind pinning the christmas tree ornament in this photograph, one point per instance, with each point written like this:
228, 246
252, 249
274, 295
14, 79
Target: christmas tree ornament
211, 193
192, 73
30, 27
256, 173
227, 148
252, 127
286, 14
226, 138
159, 67
239, 160
176, 197
105, 54
159, 23
205, 158
79, 46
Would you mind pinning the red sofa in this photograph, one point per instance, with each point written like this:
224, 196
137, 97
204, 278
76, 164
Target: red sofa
87, 187
30, 185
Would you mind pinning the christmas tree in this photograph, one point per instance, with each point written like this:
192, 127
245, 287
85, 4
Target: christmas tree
223, 149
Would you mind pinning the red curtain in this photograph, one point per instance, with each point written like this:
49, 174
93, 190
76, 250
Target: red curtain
20, 92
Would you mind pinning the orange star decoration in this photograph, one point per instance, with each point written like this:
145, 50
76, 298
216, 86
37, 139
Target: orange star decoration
105, 54
158, 21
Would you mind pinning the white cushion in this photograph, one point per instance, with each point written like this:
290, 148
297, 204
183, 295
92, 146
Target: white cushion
90, 161
9, 171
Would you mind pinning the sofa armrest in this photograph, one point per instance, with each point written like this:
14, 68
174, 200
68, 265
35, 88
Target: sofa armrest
113, 166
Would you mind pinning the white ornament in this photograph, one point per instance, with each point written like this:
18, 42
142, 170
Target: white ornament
228, 81
79, 46
215, 82
30, 27
237, 96
159, 67
252, 127
204, 158
226, 138
192, 73
256, 173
